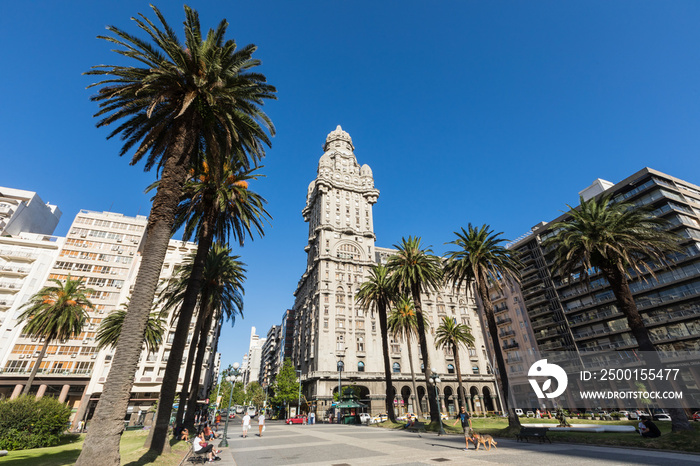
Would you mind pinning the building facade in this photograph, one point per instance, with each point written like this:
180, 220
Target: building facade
103, 248
24, 212
331, 329
568, 315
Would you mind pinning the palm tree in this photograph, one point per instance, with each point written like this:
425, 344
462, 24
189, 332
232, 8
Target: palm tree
614, 238
179, 101
221, 299
111, 328
377, 292
216, 203
482, 259
452, 335
414, 270
403, 324
55, 312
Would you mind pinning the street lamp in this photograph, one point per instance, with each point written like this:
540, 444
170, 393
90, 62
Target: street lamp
341, 366
234, 376
299, 397
435, 378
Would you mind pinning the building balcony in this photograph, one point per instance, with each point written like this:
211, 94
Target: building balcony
11, 287
511, 346
506, 333
13, 271
542, 322
504, 321
6, 303
18, 255
514, 359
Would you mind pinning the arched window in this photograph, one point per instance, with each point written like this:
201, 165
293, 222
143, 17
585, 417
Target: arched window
348, 251
397, 367
360, 366
450, 369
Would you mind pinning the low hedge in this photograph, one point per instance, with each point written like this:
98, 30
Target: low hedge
29, 423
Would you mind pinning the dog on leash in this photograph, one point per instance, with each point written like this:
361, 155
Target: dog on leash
485, 439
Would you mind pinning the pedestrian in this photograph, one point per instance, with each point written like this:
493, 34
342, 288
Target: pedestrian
538, 414
246, 424
312, 417
466, 421
217, 421
261, 423
80, 425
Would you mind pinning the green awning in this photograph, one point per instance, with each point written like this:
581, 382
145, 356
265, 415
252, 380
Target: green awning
350, 404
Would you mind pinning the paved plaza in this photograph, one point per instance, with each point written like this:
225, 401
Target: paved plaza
324, 444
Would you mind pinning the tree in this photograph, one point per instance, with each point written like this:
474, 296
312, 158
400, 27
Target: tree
404, 324
180, 101
111, 327
616, 238
255, 394
377, 292
216, 203
452, 335
221, 298
286, 385
55, 312
483, 261
414, 270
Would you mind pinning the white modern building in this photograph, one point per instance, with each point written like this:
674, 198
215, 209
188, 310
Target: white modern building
24, 212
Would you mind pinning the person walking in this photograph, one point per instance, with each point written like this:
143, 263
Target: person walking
261, 423
312, 418
466, 421
246, 424
217, 421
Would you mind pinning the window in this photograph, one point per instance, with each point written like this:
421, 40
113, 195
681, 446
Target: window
360, 366
396, 367
360, 344
450, 369
475, 369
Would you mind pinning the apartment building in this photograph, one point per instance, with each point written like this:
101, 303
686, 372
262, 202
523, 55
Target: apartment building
24, 212
571, 316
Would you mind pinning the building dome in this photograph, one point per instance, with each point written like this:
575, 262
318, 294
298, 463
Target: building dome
338, 135
365, 170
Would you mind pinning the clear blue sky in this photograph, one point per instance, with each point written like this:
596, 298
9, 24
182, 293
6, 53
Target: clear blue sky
466, 111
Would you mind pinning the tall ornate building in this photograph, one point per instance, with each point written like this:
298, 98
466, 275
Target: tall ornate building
331, 329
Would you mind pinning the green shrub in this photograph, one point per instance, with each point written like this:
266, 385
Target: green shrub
28, 423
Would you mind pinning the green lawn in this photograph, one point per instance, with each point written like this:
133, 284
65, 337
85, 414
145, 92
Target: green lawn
132, 452
682, 441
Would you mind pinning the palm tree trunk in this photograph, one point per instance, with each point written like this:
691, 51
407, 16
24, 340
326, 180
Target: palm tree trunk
197, 371
383, 328
482, 288
413, 375
32, 375
432, 399
623, 295
158, 435
185, 393
462, 398
101, 445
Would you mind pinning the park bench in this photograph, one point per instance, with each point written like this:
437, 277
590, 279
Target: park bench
534, 432
417, 427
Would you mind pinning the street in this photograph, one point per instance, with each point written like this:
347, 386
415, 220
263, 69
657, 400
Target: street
324, 444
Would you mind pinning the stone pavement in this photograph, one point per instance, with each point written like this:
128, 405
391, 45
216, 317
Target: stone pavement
335, 445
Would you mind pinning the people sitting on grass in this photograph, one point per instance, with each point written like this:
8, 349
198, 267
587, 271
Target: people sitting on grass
185, 435
648, 429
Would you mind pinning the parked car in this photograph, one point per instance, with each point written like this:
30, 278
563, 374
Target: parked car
696, 416
365, 418
379, 418
530, 414
298, 419
662, 417
519, 412
444, 416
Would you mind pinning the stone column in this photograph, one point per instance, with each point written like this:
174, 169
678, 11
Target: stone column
64, 393
470, 404
477, 405
41, 391
442, 403
17, 391
82, 408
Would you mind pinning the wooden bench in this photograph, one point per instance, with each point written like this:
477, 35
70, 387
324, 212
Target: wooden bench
534, 432
417, 427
